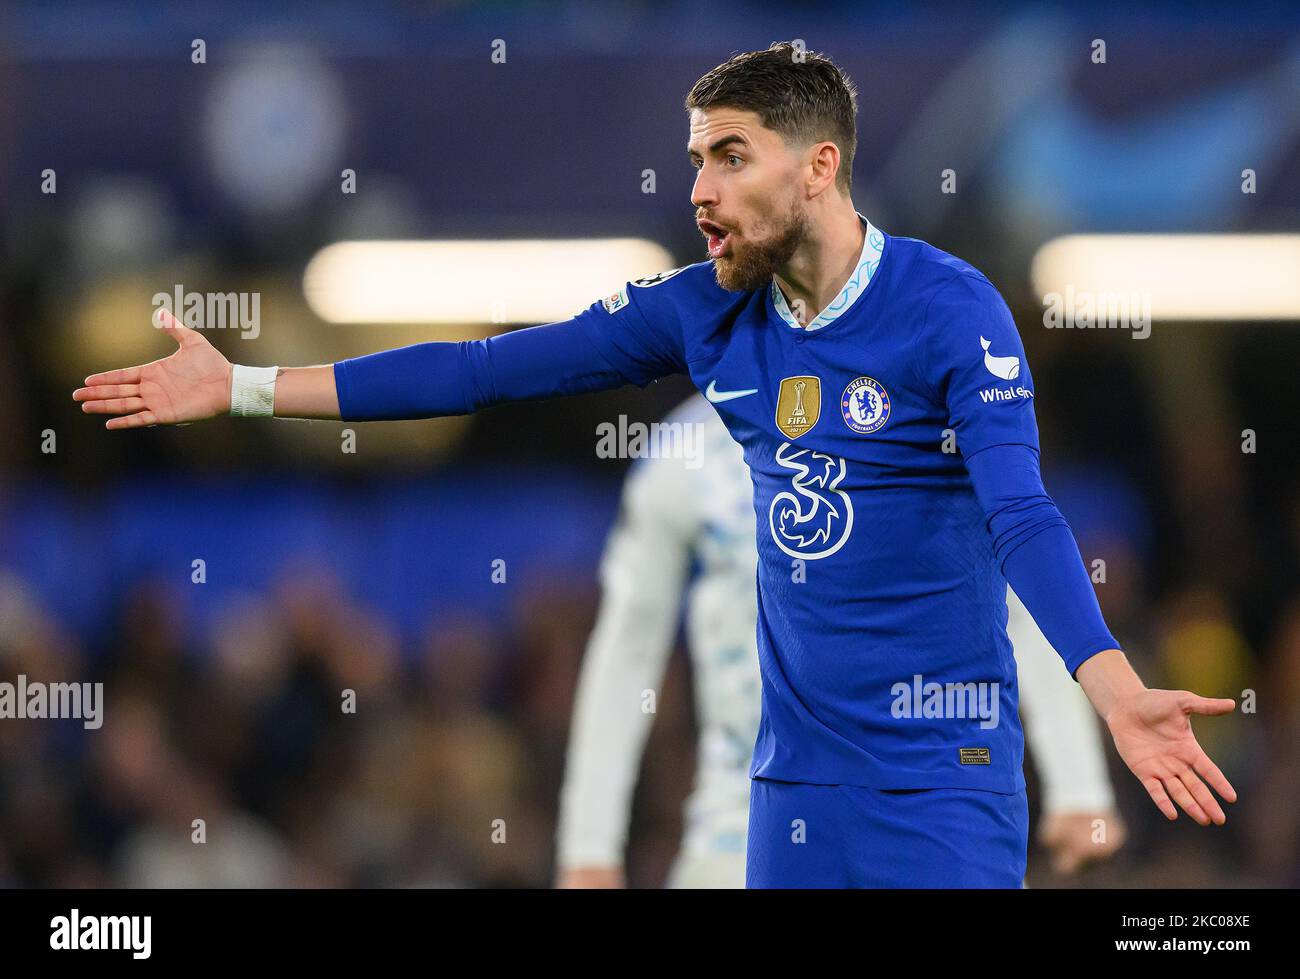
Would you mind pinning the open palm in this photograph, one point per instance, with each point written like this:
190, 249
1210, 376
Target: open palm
1153, 734
190, 385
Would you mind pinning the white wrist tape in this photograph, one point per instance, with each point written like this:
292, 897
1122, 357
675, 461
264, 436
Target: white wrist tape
252, 391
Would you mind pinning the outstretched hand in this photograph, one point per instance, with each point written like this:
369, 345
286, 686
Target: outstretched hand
190, 385
1153, 733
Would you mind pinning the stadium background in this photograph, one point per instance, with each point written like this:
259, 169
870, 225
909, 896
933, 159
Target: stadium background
371, 570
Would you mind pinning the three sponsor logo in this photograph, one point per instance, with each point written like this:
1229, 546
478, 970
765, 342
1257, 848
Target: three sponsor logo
814, 517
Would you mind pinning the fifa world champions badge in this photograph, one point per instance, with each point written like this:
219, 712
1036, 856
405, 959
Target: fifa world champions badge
798, 405
865, 405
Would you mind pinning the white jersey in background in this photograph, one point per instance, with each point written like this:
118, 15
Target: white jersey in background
696, 514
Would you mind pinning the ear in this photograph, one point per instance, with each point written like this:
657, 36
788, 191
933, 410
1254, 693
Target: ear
824, 165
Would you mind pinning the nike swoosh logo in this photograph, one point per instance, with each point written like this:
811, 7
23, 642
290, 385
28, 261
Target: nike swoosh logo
717, 397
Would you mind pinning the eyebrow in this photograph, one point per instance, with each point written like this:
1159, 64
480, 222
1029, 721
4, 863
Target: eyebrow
723, 142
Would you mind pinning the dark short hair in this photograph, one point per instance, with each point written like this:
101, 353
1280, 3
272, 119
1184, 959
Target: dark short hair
801, 95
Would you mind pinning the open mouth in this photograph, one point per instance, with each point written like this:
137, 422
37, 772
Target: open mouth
717, 237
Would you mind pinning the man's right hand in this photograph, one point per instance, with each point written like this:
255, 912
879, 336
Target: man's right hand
603, 878
1073, 840
190, 385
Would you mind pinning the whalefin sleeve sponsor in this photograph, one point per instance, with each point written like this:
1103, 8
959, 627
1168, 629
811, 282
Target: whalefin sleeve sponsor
977, 366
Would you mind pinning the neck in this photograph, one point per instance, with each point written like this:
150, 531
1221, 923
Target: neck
822, 265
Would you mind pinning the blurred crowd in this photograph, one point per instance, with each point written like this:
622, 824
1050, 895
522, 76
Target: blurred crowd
312, 749
297, 743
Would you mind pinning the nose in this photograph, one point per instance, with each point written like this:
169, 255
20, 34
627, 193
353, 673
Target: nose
704, 193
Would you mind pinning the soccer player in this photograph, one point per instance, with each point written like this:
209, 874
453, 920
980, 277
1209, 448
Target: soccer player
696, 512
880, 392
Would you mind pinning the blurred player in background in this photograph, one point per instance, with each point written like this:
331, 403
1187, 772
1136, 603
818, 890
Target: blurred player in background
677, 516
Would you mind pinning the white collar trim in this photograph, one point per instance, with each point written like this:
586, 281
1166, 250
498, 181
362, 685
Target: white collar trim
873, 246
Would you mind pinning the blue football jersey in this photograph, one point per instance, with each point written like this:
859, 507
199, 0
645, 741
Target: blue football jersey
882, 611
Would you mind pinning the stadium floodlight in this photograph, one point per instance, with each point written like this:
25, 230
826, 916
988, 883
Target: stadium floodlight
1185, 276
521, 281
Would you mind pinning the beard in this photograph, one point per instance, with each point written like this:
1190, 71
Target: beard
752, 264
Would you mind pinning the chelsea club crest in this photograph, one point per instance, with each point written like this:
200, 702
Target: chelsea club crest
865, 405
